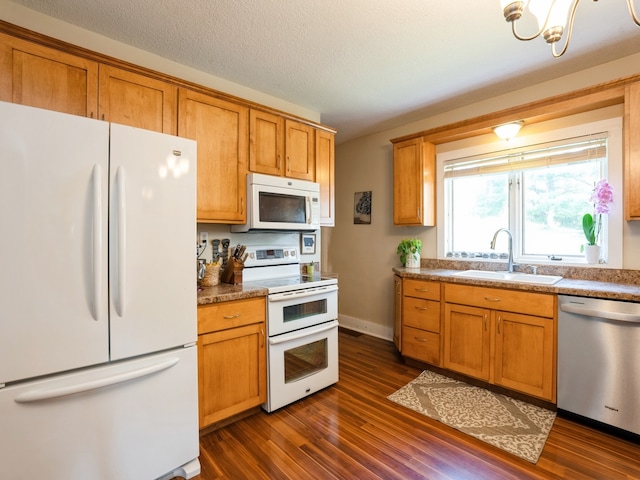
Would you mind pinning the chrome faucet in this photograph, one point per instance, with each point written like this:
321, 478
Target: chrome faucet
493, 247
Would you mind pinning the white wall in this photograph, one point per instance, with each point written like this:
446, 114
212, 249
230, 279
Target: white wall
363, 255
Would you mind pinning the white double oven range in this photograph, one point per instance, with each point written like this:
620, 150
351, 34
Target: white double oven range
302, 324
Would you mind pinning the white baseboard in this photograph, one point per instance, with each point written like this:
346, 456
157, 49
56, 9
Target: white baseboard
364, 326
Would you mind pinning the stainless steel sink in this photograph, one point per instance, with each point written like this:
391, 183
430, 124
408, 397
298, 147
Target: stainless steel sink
516, 277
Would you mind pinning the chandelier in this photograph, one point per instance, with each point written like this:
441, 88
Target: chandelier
554, 17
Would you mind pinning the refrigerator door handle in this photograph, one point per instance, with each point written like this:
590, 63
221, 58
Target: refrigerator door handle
39, 395
122, 241
97, 241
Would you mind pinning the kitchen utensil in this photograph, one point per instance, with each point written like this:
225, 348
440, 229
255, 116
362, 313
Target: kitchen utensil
216, 247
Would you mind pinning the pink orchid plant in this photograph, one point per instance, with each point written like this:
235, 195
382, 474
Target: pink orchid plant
601, 197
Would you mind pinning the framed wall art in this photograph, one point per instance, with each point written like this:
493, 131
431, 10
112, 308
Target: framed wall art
362, 208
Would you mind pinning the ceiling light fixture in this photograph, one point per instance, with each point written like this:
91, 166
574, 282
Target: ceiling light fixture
507, 131
553, 17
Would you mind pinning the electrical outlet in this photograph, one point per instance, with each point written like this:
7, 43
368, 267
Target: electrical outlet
204, 238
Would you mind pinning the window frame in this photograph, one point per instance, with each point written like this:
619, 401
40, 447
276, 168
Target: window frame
488, 144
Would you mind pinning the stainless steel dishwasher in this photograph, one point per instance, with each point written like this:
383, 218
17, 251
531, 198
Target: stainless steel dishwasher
599, 360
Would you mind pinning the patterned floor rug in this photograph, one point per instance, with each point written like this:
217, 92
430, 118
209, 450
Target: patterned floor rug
512, 425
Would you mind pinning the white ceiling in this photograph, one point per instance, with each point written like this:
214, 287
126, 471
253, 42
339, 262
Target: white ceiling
364, 65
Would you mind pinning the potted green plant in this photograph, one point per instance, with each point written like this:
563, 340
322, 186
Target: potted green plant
409, 250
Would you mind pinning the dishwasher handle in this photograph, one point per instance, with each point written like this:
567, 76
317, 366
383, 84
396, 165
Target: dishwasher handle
597, 313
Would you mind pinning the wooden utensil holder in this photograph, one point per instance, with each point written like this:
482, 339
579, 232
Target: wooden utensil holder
233, 272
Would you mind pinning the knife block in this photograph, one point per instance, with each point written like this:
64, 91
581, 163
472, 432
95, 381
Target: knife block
233, 272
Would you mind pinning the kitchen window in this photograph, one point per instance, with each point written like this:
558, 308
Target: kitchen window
539, 191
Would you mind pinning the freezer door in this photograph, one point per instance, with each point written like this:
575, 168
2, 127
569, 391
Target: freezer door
152, 241
131, 420
53, 255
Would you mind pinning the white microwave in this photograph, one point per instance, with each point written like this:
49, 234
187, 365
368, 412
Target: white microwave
278, 203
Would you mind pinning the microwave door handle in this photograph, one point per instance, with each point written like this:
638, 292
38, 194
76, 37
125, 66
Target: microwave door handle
307, 205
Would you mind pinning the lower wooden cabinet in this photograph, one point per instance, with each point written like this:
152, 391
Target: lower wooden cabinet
420, 335
525, 351
397, 312
503, 337
467, 340
232, 370
513, 350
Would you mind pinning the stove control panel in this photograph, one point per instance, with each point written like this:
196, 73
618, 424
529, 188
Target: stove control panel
278, 255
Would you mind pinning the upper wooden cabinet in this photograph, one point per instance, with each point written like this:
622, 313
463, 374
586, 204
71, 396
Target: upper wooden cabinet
221, 130
632, 152
137, 100
266, 142
42, 77
325, 176
299, 150
414, 183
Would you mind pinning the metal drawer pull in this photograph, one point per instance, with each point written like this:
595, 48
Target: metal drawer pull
485, 322
422, 290
229, 317
499, 320
488, 299
420, 308
420, 339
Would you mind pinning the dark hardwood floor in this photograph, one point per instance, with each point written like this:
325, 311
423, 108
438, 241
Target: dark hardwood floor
351, 431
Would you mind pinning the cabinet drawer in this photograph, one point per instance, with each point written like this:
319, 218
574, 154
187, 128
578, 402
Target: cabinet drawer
421, 289
540, 304
420, 313
421, 345
220, 316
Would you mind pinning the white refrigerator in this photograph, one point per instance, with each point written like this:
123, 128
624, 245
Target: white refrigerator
98, 364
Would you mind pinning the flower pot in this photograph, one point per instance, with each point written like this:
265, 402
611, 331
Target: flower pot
413, 260
592, 253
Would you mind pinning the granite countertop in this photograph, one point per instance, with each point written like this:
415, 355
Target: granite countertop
586, 282
224, 292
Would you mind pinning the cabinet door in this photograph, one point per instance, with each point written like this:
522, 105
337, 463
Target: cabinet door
325, 176
467, 340
42, 77
299, 150
397, 312
266, 142
136, 100
221, 130
632, 152
524, 359
414, 183
232, 372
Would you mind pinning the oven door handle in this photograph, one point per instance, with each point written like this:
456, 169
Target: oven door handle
307, 292
305, 332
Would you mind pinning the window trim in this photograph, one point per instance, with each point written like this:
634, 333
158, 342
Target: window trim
613, 127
